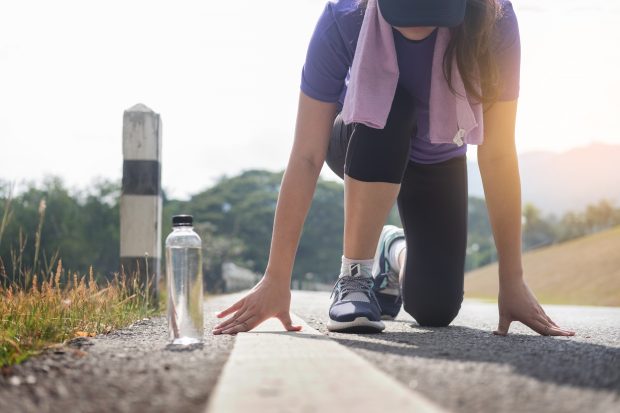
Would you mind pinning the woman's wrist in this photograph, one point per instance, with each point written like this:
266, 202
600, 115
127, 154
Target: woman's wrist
510, 276
509, 263
278, 275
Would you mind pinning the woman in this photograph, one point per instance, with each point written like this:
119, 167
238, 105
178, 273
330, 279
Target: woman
400, 77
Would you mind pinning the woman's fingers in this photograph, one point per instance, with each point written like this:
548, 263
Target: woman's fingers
538, 326
242, 316
231, 309
247, 320
503, 326
288, 323
557, 331
231, 320
543, 320
545, 328
539, 323
549, 330
552, 329
550, 320
247, 317
240, 326
561, 332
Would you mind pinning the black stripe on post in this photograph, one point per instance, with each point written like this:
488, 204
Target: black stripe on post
141, 177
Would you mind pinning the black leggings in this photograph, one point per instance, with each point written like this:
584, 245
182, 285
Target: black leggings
432, 204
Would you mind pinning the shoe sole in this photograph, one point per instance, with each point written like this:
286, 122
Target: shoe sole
359, 325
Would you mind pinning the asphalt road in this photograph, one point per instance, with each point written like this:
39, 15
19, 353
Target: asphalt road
465, 368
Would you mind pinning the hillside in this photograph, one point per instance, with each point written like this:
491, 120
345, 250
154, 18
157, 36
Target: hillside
584, 271
559, 182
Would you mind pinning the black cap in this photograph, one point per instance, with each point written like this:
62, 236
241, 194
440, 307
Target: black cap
182, 221
409, 13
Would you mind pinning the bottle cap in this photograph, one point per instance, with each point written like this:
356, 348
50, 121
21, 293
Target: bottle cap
182, 221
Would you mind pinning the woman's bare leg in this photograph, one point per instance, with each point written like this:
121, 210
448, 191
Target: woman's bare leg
402, 259
366, 206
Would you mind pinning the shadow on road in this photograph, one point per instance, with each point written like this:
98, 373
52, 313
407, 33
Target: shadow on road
551, 359
557, 360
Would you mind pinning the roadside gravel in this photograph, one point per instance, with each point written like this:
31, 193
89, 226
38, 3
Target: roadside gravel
128, 370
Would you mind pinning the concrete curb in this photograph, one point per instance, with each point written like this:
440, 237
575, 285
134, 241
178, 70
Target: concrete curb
271, 370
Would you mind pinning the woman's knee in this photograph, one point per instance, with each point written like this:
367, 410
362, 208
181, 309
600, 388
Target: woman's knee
381, 155
338, 143
376, 156
433, 311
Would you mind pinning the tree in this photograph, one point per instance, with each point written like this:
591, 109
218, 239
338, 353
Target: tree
80, 227
242, 208
600, 216
536, 230
480, 244
320, 247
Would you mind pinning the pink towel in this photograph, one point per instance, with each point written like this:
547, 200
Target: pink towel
374, 77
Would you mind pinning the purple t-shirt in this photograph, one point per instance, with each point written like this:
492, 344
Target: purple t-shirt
332, 47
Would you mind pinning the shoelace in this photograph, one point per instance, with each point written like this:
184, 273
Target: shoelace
349, 284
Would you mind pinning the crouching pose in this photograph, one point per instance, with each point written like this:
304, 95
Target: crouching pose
392, 93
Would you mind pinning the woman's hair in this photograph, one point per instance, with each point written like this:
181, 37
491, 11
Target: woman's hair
471, 43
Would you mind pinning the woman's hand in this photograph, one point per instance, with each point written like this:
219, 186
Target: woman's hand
267, 299
517, 303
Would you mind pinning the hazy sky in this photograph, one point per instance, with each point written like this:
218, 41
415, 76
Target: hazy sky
224, 75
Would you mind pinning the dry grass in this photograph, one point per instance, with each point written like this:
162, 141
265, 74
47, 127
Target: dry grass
60, 307
585, 271
39, 307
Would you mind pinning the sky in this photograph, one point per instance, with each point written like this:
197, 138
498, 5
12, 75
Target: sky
224, 76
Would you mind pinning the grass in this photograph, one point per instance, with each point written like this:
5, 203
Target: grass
585, 271
39, 307
51, 311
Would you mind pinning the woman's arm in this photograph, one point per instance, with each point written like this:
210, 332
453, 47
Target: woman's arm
315, 120
271, 297
497, 159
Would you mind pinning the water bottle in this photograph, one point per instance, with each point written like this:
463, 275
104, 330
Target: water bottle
184, 277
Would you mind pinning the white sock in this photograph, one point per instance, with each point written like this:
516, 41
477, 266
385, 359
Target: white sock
356, 267
394, 252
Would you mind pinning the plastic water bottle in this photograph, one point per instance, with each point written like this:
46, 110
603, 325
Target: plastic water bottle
184, 277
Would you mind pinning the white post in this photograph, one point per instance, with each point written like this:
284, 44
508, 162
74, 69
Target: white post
141, 200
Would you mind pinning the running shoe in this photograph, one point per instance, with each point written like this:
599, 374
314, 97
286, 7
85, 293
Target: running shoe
355, 308
386, 284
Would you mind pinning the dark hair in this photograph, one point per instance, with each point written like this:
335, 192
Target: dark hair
471, 44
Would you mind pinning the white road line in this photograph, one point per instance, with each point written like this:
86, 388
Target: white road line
271, 370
